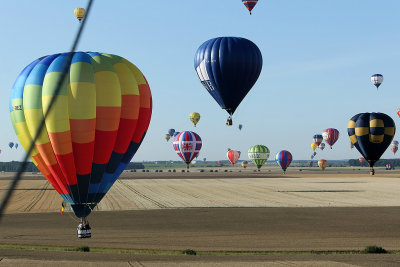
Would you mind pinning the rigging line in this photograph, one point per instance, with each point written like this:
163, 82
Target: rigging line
22, 168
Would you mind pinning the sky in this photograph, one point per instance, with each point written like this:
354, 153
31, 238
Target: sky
318, 57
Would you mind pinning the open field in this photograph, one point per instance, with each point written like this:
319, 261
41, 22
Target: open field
281, 218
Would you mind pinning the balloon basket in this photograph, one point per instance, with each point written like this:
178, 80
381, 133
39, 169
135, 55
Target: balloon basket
84, 230
229, 121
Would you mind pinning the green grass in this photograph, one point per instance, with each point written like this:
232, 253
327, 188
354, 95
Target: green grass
186, 252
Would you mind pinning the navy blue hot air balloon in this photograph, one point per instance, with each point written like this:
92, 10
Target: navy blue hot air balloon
371, 134
228, 67
11, 144
171, 132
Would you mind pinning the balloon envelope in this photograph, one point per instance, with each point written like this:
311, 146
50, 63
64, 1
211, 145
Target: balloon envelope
245, 164
377, 80
330, 136
167, 137
194, 117
11, 144
322, 164
228, 67
79, 13
233, 156
95, 127
240, 126
283, 158
250, 4
371, 134
314, 146
318, 139
258, 154
187, 145
171, 132
322, 146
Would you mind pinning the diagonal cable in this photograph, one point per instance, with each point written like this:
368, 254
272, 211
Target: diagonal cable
63, 76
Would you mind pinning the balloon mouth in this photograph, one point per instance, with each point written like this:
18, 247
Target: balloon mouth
82, 210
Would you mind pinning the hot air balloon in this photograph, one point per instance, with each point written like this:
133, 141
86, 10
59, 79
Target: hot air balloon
219, 162
398, 112
315, 153
16, 145
394, 147
194, 117
314, 146
79, 13
388, 166
330, 136
371, 134
322, 146
187, 145
245, 164
240, 127
283, 158
258, 154
318, 139
233, 156
94, 128
11, 144
167, 137
250, 4
171, 132
228, 67
377, 80
204, 159
322, 164
312, 156
361, 160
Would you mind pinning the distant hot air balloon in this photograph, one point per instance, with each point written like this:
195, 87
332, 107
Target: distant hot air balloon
315, 153
318, 139
167, 137
395, 146
187, 145
330, 136
314, 146
250, 4
228, 67
377, 80
171, 132
361, 160
240, 127
284, 158
11, 144
395, 143
371, 134
204, 159
245, 164
322, 164
194, 117
79, 13
219, 162
233, 156
16, 145
388, 166
312, 156
322, 146
95, 127
398, 112
258, 154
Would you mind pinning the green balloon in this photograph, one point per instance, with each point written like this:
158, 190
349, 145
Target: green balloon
258, 154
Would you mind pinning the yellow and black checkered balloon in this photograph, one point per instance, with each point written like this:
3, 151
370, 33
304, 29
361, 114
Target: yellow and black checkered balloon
371, 134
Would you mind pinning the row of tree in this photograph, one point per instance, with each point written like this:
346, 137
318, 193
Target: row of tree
379, 163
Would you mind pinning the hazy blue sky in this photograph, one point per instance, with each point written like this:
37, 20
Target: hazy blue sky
318, 59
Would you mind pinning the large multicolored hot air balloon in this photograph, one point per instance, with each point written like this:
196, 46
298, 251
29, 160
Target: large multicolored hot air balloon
377, 80
245, 164
228, 67
371, 134
250, 4
233, 156
322, 146
94, 128
258, 154
318, 139
330, 136
187, 145
314, 146
79, 13
11, 144
171, 132
322, 163
194, 117
167, 137
283, 158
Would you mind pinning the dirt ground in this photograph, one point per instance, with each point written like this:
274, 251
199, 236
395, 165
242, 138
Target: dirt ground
295, 212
